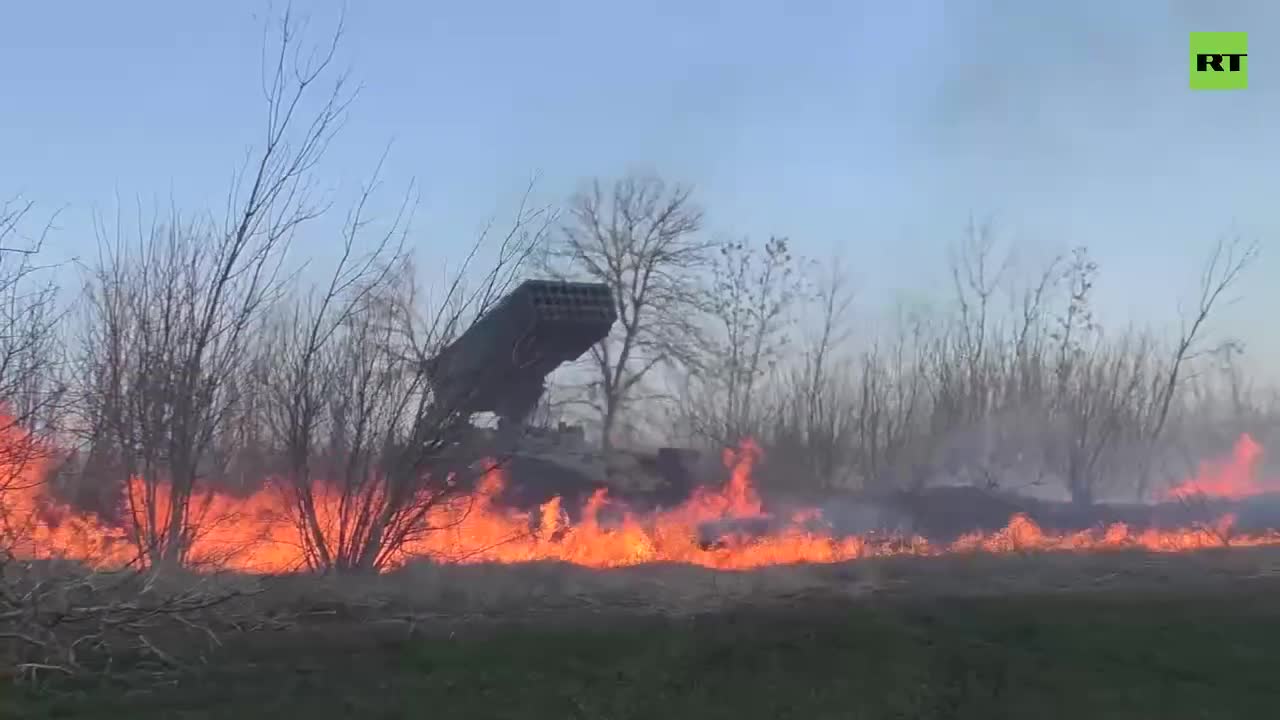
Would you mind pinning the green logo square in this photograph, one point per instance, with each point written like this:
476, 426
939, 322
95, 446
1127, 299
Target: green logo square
1219, 60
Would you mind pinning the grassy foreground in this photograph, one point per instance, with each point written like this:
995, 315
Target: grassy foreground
1197, 654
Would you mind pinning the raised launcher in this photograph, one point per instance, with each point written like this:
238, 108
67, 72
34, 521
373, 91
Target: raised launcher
500, 364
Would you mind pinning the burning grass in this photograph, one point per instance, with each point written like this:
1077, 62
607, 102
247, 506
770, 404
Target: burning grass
259, 534
80, 602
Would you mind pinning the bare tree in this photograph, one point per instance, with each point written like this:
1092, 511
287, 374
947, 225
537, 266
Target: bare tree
31, 383
819, 411
977, 277
964, 361
172, 316
301, 373
753, 294
1228, 260
641, 238
372, 449
1099, 405
891, 407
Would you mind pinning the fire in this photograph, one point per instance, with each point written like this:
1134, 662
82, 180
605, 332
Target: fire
257, 533
1235, 477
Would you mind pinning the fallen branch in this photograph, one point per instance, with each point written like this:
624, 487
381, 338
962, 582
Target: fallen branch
75, 624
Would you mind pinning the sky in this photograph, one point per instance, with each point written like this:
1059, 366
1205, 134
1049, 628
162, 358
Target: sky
869, 129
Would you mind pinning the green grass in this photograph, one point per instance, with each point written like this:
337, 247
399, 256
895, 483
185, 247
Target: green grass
1141, 656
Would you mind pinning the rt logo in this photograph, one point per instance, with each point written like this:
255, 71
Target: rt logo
1219, 60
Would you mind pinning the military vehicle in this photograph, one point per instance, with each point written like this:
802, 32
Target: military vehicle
500, 365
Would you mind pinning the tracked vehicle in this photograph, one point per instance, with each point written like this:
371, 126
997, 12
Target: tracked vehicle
500, 366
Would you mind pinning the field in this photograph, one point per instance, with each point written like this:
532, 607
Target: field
1114, 635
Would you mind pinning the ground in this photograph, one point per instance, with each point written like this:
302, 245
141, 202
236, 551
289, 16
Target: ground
1121, 636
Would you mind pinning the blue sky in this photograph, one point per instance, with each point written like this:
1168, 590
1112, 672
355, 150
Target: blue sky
872, 128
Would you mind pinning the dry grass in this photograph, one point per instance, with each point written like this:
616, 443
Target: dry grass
1053, 636
59, 620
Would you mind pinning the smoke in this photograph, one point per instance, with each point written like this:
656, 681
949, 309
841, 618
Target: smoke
1073, 124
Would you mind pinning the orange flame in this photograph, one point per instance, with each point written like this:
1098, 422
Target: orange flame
257, 533
1235, 477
